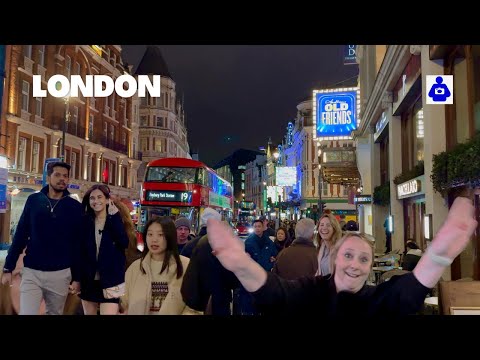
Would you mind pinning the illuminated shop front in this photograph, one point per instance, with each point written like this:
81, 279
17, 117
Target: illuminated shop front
413, 195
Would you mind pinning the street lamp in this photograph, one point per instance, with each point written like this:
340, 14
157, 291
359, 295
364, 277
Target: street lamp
66, 119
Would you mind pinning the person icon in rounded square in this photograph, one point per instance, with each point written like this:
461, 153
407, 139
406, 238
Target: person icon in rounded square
439, 92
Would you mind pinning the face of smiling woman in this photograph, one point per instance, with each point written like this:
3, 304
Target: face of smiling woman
352, 264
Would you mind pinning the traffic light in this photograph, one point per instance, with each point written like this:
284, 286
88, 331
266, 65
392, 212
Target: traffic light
323, 207
269, 202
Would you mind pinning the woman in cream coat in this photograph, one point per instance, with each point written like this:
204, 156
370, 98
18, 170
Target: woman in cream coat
153, 282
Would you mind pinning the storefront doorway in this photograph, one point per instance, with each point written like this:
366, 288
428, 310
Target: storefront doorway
413, 214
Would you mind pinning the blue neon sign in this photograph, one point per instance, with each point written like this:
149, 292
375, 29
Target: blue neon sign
336, 113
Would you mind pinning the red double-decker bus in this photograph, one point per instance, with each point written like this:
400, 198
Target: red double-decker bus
178, 187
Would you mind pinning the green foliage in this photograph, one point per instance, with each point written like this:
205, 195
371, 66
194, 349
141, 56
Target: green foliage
417, 170
381, 195
457, 167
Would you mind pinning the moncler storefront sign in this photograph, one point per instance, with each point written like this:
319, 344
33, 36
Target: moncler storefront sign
409, 188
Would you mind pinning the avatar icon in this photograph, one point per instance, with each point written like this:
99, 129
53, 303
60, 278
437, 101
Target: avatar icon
439, 92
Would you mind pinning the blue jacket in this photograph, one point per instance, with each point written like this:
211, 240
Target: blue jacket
261, 249
50, 235
111, 255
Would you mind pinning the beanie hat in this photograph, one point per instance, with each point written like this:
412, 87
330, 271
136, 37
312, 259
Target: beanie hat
182, 221
209, 213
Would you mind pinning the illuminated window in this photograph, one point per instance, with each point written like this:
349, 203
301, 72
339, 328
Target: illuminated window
158, 145
419, 132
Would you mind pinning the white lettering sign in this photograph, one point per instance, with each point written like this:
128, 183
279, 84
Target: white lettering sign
408, 188
336, 113
97, 86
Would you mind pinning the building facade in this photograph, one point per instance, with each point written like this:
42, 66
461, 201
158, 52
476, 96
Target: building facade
233, 168
98, 131
312, 188
416, 150
162, 128
255, 182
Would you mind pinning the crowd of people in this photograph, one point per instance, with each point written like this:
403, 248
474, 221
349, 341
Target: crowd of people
85, 253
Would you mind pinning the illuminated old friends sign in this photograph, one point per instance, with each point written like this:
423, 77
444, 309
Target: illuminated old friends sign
335, 113
409, 188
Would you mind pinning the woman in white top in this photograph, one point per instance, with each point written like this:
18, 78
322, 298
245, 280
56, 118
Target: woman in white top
153, 282
328, 232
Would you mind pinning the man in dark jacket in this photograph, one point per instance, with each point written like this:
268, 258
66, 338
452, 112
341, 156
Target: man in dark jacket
208, 213
207, 286
267, 230
261, 249
300, 258
49, 228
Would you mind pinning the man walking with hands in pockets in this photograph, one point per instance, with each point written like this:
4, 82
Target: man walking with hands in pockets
49, 229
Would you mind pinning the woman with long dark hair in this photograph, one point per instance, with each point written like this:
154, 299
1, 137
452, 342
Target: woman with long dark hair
153, 282
103, 257
282, 239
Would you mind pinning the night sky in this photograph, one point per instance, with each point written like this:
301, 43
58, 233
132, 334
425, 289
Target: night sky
236, 96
